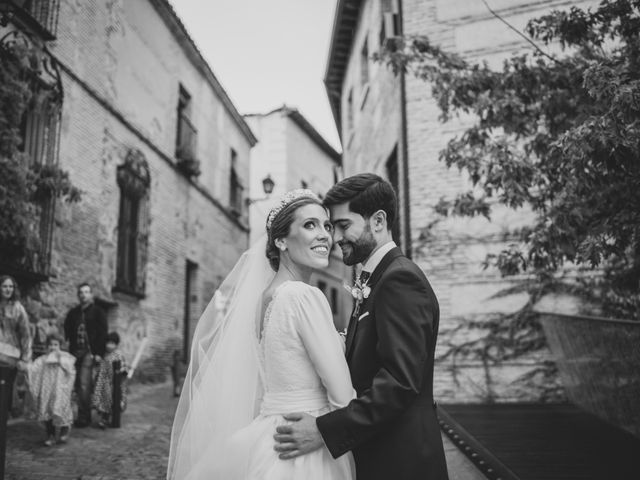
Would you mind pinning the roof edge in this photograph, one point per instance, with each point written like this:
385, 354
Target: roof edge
306, 126
343, 33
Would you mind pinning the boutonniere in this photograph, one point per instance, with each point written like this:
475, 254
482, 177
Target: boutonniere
359, 291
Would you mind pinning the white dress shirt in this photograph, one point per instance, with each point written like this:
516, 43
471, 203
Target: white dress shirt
374, 260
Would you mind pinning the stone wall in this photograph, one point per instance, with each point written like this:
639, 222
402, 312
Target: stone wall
121, 68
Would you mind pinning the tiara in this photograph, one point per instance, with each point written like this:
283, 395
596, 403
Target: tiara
287, 199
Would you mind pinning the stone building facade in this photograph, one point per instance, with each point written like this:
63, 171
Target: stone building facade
161, 155
390, 125
294, 155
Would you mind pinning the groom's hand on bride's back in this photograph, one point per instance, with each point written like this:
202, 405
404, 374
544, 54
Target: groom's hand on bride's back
298, 437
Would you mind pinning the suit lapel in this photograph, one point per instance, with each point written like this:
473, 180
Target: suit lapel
375, 276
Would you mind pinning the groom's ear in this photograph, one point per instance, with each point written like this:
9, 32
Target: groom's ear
378, 220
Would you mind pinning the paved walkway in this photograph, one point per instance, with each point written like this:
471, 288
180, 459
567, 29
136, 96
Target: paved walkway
136, 451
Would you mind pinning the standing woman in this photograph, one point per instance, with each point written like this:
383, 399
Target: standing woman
265, 345
15, 336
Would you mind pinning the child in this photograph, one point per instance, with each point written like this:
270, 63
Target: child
103, 392
50, 380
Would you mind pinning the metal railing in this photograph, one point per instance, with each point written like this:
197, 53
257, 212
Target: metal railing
32, 263
40, 15
186, 141
598, 360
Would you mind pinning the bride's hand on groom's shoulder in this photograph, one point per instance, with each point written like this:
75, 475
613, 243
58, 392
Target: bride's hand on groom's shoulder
299, 437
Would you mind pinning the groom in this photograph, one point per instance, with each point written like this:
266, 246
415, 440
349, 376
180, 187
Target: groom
391, 426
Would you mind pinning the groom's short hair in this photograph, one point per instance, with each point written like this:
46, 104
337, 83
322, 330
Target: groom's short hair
366, 193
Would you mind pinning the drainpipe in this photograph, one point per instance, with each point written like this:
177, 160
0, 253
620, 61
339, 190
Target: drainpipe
405, 150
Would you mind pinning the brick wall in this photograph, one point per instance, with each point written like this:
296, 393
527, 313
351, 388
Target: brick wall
453, 255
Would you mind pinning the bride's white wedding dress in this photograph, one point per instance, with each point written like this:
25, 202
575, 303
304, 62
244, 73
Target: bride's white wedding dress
302, 370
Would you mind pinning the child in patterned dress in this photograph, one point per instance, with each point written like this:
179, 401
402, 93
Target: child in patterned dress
103, 392
50, 379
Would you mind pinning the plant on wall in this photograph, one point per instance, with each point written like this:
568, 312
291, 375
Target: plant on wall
24, 184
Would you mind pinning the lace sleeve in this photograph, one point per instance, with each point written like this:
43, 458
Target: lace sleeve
322, 342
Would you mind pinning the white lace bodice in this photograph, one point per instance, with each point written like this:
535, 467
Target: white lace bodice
300, 348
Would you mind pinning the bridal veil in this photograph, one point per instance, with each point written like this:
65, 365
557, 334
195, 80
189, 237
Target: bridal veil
222, 388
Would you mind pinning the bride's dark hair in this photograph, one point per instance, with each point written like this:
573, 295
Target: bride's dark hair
281, 226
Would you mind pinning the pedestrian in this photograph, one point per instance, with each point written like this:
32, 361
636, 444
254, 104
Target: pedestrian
15, 336
103, 393
50, 379
85, 328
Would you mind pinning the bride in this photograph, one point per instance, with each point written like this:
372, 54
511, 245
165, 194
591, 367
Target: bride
264, 346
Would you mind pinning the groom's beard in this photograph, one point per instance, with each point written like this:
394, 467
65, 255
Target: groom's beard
358, 251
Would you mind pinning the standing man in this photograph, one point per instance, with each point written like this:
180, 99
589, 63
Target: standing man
85, 328
391, 427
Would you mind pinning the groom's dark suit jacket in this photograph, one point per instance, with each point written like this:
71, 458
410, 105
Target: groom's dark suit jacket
391, 426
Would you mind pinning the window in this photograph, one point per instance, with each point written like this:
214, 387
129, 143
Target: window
364, 64
390, 23
40, 134
134, 181
236, 188
392, 175
183, 123
186, 136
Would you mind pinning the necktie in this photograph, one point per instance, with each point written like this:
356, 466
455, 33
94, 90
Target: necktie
364, 277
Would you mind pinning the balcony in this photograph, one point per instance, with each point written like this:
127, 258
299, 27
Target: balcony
41, 16
186, 147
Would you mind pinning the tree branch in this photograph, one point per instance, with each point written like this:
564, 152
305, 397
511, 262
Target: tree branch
533, 44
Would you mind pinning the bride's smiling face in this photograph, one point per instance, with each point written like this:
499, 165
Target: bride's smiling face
309, 241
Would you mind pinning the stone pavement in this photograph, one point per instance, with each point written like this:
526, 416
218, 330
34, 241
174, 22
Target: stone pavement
136, 451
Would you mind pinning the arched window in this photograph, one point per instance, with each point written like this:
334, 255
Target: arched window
134, 181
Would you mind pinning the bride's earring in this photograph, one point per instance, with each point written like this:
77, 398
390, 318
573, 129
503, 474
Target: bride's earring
283, 248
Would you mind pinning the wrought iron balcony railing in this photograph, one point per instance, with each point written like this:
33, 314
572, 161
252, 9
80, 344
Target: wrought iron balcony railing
186, 146
34, 264
39, 15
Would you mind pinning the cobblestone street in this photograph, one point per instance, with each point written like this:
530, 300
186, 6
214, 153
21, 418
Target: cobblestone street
138, 450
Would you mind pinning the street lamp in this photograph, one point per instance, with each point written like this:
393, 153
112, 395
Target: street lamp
267, 187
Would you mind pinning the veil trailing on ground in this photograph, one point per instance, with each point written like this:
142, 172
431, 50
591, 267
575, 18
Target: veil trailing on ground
222, 388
